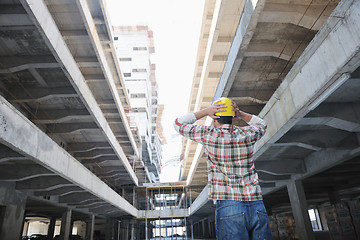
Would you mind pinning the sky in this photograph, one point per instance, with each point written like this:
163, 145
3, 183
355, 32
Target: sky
176, 26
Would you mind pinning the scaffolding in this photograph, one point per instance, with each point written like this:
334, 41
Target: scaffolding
165, 212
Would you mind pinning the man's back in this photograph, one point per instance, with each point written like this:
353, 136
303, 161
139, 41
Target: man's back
231, 170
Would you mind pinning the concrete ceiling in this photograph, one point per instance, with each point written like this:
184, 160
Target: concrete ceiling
58, 69
275, 44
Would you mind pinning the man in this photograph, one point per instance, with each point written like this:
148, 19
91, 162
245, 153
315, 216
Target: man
233, 181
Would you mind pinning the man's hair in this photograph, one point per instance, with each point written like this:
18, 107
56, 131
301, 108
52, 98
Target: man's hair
225, 119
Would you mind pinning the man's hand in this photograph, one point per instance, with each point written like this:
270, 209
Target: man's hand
215, 108
211, 110
240, 114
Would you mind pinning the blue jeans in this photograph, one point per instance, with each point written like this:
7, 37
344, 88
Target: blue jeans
241, 220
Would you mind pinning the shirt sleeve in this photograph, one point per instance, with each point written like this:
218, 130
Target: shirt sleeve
258, 126
185, 126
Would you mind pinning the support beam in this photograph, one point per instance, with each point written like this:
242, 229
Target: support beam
49, 116
243, 35
77, 197
113, 80
43, 183
299, 94
41, 94
300, 210
281, 166
7, 154
18, 173
59, 191
37, 146
40, 15
67, 128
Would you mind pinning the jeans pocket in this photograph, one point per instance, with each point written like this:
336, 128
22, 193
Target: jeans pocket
233, 227
262, 229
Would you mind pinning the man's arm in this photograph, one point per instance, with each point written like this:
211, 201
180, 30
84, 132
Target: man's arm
184, 124
256, 124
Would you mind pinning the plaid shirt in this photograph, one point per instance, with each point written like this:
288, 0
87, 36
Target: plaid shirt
231, 170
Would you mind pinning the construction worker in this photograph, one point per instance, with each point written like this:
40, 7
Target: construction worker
233, 182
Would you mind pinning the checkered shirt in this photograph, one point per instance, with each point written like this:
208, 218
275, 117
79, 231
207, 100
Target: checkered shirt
231, 170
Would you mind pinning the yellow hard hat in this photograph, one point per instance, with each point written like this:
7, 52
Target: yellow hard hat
229, 111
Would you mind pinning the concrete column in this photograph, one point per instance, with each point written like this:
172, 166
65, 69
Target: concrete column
25, 228
133, 237
12, 214
134, 198
116, 231
51, 228
300, 210
71, 226
110, 225
65, 225
90, 228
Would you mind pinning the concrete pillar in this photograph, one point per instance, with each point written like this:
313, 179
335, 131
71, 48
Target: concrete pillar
109, 234
116, 231
51, 228
133, 237
134, 198
65, 225
25, 228
90, 228
12, 212
300, 210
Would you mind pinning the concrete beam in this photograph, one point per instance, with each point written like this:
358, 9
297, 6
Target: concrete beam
77, 197
331, 122
15, 20
88, 146
41, 94
67, 128
96, 153
29, 66
99, 159
112, 79
281, 166
266, 176
15, 173
7, 154
200, 201
298, 144
299, 94
59, 191
61, 115
18, 133
243, 35
40, 15
43, 183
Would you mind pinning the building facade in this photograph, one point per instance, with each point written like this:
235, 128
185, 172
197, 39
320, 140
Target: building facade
134, 46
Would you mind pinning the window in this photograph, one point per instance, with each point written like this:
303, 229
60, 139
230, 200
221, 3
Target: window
137, 95
315, 219
125, 59
139, 48
127, 74
136, 80
139, 70
116, 38
139, 110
